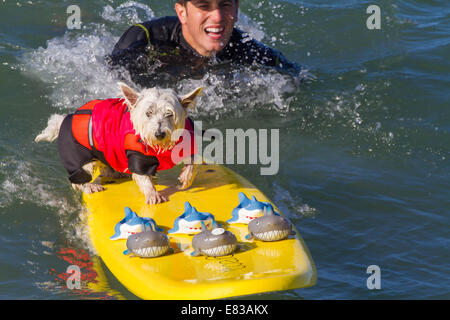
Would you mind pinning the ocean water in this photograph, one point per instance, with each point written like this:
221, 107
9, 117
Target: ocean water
364, 149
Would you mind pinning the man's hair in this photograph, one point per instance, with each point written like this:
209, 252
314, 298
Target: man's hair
183, 2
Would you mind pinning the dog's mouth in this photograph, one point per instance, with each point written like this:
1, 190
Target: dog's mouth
161, 145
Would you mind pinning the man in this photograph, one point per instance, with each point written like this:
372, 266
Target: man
202, 35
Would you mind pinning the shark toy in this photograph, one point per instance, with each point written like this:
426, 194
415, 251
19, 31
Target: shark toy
190, 221
214, 243
248, 210
133, 224
269, 227
148, 244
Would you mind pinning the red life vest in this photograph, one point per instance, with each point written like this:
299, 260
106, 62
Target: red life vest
105, 126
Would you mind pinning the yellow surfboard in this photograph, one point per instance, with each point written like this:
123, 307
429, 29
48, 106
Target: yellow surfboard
256, 267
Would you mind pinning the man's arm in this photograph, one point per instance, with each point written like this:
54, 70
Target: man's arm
138, 38
134, 37
130, 46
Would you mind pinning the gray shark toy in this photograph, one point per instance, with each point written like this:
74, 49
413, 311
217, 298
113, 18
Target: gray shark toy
148, 244
214, 243
269, 227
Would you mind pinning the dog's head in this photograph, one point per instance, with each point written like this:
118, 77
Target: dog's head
157, 113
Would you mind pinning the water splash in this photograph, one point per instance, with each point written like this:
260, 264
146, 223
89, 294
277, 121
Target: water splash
291, 205
242, 89
74, 68
26, 183
127, 13
252, 28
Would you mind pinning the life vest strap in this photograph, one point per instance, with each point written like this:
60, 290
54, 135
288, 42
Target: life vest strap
83, 111
82, 125
90, 136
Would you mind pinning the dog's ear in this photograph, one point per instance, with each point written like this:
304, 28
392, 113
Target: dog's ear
188, 100
128, 94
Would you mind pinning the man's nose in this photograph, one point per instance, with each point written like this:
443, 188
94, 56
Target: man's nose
217, 15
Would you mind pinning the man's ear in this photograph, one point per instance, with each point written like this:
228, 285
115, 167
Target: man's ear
181, 12
128, 94
188, 100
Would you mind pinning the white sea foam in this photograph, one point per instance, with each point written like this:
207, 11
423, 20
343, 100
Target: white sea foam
128, 13
253, 29
74, 67
291, 206
25, 183
247, 89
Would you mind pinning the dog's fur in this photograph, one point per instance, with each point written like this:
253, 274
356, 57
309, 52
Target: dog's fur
156, 114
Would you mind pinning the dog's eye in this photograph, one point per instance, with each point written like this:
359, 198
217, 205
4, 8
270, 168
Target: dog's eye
149, 113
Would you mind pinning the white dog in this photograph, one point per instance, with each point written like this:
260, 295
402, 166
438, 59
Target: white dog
134, 135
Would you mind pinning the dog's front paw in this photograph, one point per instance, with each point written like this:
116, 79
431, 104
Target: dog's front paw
89, 188
154, 197
187, 176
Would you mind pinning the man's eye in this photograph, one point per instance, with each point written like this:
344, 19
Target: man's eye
202, 5
226, 3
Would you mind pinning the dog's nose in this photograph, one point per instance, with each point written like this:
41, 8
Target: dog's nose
160, 135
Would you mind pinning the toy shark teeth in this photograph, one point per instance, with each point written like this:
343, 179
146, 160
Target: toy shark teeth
273, 235
215, 243
151, 251
247, 210
190, 221
269, 227
220, 250
133, 224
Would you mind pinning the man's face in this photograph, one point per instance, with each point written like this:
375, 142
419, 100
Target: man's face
207, 24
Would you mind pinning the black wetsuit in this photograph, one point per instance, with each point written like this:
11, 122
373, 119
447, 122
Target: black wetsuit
156, 50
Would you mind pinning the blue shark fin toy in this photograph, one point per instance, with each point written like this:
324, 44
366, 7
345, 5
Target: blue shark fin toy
248, 209
133, 224
190, 222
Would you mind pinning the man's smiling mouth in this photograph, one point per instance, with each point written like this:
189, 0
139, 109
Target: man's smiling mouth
215, 32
